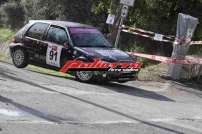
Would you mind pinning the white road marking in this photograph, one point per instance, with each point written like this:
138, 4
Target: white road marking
7, 112
166, 86
105, 122
185, 126
67, 122
162, 119
198, 118
28, 122
173, 121
73, 91
170, 121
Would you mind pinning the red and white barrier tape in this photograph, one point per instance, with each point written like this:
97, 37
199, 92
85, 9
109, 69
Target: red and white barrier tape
168, 60
136, 29
196, 43
143, 35
149, 34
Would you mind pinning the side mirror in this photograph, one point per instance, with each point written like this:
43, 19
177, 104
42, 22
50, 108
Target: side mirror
67, 45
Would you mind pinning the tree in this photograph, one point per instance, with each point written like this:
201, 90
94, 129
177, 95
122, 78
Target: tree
12, 15
3, 1
156, 15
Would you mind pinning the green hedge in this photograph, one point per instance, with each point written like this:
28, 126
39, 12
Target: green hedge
6, 34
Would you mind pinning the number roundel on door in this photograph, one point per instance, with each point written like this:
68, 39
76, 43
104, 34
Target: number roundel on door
53, 55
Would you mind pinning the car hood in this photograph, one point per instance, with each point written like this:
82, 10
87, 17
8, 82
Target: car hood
108, 54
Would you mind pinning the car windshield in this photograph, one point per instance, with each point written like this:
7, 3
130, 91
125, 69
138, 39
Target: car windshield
88, 37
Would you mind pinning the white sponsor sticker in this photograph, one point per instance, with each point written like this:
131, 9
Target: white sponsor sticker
158, 37
53, 55
127, 2
110, 19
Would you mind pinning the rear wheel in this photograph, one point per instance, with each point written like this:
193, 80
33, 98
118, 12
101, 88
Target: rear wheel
19, 58
84, 76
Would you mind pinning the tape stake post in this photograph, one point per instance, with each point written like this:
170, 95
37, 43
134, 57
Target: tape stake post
119, 33
186, 26
124, 12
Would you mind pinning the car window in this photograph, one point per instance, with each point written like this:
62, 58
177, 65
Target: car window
22, 31
57, 35
88, 37
37, 30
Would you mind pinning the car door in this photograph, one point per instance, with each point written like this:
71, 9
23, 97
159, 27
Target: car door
34, 43
57, 38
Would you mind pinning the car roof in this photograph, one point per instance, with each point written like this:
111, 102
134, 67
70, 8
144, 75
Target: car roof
62, 23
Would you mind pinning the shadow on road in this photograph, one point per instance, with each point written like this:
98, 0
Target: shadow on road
81, 100
125, 89
32, 111
45, 116
186, 86
130, 90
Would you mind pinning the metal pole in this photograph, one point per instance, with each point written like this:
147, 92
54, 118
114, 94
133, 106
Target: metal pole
200, 71
119, 32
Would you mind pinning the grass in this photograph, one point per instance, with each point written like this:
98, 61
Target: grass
195, 50
149, 72
48, 71
4, 58
153, 73
6, 34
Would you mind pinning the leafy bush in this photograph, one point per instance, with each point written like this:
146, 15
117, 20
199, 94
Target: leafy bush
136, 47
12, 15
195, 50
5, 34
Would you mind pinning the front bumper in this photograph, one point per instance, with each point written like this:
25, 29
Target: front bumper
117, 76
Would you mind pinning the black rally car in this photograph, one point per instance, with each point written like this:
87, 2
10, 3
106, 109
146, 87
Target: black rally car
50, 44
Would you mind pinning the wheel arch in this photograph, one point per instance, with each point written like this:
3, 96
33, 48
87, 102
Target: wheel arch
14, 46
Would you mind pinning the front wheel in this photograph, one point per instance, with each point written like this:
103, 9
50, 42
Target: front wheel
19, 58
84, 76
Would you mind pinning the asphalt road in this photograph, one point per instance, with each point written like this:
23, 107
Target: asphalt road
36, 103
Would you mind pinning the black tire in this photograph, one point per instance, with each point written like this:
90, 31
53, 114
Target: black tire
19, 57
84, 76
121, 82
